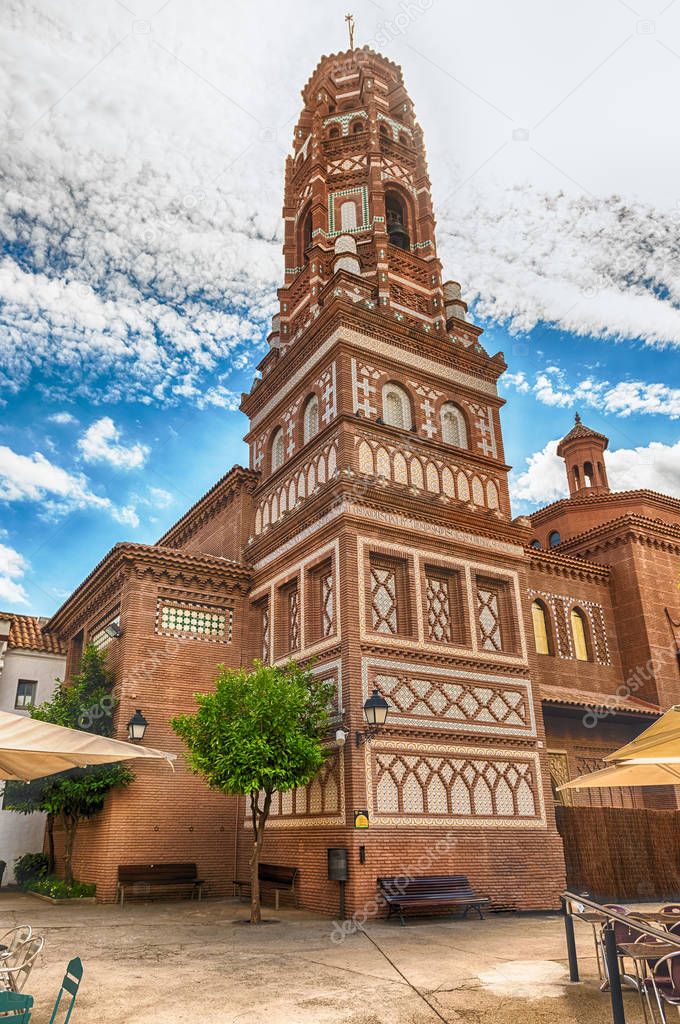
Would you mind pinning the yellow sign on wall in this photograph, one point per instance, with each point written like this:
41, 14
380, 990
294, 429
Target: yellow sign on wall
361, 819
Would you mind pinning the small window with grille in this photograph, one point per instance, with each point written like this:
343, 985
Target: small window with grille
496, 619
320, 599
388, 592
289, 619
444, 608
194, 621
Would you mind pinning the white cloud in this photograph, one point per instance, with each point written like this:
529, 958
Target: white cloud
598, 266
626, 398
62, 418
35, 478
160, 497
655, 466
141, 195
516, 380
101, 443
12, 568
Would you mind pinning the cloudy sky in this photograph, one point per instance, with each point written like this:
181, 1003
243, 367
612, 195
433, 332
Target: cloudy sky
141, 155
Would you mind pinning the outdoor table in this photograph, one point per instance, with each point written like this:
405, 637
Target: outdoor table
594, 918
640, 953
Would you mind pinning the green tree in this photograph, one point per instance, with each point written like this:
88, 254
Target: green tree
259, 732
85, 703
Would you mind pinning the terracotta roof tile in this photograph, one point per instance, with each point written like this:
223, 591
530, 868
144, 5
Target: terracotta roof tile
580, 430
26, 632
591, 699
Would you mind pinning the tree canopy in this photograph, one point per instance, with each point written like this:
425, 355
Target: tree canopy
260, 731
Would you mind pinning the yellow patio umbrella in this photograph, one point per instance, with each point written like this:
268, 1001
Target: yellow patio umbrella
660, 742
30, 749
652, 759
626, 774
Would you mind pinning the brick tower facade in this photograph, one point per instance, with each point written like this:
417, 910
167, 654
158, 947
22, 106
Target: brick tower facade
371, 535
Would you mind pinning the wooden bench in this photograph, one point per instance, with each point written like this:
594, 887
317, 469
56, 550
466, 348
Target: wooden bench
148, 879
430, 891
283, 879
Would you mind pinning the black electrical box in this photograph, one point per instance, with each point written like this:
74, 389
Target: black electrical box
337, 864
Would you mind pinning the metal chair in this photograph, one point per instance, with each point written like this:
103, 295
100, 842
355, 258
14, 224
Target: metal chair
13, 938
15, 1009
664, 984
15, 969
69, 986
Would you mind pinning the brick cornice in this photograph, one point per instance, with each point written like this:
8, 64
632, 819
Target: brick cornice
342, 313
552, 563
99, 588
548, 512
630, 527
219, 495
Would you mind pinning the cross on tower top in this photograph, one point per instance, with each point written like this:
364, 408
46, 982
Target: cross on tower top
349, 18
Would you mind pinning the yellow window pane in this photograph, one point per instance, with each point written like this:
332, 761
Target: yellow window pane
540, 628
578, 632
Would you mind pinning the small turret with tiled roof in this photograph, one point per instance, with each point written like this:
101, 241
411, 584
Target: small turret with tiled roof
583, 452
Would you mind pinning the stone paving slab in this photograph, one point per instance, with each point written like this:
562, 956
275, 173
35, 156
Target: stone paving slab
165, 963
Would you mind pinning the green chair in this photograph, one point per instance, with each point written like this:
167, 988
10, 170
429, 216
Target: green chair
69, 985
15, 1008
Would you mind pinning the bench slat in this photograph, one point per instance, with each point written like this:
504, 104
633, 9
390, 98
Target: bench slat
402, 893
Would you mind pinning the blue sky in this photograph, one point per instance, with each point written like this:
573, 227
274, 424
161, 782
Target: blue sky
140, 241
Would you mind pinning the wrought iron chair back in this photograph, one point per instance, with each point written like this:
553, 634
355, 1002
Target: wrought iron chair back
13, 938
15, 969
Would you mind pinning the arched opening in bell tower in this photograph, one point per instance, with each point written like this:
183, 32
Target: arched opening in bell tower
397, 220
305, 235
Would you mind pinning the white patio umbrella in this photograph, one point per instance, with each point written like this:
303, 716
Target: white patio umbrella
30, 749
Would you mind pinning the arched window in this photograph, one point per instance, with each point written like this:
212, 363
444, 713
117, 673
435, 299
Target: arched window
579, 632
540, 619
577, 478
311, 418
396, 407
383, 131
357, 127
588, 474
334, 133
454, 430
306, 235
277, 449
535, 543
348, 215
554, 539
403, 138
397, 220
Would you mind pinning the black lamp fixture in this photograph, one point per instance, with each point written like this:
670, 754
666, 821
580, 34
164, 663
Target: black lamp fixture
113, 630
136, 727
375, 713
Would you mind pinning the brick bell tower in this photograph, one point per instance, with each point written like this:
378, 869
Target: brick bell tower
382, 544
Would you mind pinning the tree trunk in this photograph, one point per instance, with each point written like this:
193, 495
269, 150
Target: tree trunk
50, 844
70, 826
259, 821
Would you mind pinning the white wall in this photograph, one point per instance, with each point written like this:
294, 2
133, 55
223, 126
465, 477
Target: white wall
23, 833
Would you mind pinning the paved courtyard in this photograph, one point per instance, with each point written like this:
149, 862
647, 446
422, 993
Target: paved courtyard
163, 963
